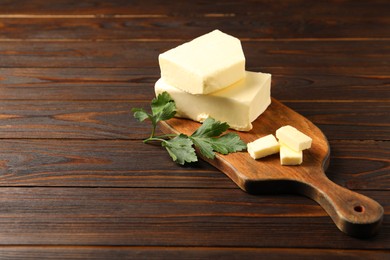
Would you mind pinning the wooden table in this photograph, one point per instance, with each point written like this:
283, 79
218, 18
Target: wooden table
77, 181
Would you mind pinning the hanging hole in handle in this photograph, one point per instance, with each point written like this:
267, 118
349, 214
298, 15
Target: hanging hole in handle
358, 209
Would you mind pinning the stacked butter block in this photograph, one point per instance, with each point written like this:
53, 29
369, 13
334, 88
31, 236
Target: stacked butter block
292, 143
206, 77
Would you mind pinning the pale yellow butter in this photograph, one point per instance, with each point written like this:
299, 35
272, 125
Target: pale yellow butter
293, 138
204, 65
263, 146
238, 105
289, 156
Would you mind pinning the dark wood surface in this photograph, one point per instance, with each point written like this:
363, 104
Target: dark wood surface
77, 182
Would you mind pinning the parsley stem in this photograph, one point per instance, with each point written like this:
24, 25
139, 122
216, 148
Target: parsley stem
161, 138
154, 139
167, 135
153, 131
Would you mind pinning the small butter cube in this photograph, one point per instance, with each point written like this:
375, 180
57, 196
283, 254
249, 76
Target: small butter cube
238, 105
289, 156
204, 65
263, 146
293, 138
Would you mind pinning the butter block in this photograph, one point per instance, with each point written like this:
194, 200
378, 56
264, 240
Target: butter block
204, 65
289, 156
293, 138
263, 147
238, 105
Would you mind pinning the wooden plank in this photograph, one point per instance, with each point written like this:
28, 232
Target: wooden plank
80, 54
148, 7
358, 165
368, 120
137, 54
100, 163
52, 119
153, 19
329, 83
114, 120
134, 252
288, 83
171, 217
71, 7
316, 54
365, 174
257, 26
78, 84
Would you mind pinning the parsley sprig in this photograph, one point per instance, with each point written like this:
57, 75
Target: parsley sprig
208, 138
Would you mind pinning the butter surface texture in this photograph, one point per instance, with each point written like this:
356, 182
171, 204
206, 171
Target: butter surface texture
293, 138
263, 147
204, 65
238, 105
289, 156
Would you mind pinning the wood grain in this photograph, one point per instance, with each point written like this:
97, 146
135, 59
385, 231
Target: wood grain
149, 7
347, 122
75, 84
136, 54
97, 120
364, 174
99, 163
107, 163
170, 217
101, 28
261, 19
155, 252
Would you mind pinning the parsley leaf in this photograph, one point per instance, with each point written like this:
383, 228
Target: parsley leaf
228, 143
207, 138
180, 149
140, 114
210, 128
163, 107
204, 145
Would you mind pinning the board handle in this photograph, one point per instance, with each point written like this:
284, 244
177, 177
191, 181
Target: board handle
353, 213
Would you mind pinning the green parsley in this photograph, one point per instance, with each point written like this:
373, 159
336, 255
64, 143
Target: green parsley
208, 138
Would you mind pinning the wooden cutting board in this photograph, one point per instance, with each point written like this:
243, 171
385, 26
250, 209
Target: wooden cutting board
353, 213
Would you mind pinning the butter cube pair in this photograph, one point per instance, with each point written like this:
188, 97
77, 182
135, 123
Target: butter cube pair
207, 77
290, 146
292, 143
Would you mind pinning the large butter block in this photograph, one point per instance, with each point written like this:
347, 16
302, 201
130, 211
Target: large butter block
238, 105
293, 138
263, 147
204, 65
